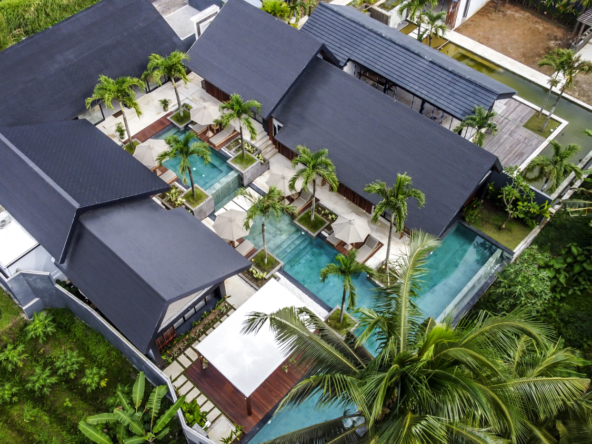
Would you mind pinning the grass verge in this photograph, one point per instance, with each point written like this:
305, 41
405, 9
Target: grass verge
312, 226
259, 262
194, 201
491, 218
243, 162
535, 124
340, 327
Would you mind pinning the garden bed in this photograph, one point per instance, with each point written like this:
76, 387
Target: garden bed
273, 263
348, 325
54, 417
235, 147
195, 201
312, 227
131, 149
535, 123
251, 276
182, 117
243, 162
489, 220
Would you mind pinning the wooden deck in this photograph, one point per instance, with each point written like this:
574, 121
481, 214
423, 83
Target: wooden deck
232, 402
513, 143
153, 128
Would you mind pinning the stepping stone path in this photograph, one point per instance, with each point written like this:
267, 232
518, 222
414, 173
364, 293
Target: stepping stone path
186, 387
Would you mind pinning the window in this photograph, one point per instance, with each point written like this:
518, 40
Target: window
94, 115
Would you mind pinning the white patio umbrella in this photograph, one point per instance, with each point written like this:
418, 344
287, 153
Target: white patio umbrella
351, 228
230, 225
205, 114
281, 180
148, 151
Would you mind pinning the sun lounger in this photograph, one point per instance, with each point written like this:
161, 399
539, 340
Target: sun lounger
367, 249
333, 240
197, 128
169, 177
222, 136
302, 200
245, 248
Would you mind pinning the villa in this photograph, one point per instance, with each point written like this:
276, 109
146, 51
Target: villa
76, 209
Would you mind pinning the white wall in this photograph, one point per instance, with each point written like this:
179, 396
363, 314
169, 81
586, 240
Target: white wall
474, 6
37, 260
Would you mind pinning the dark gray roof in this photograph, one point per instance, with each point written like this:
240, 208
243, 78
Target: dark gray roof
49, 173
424, 71
133, 259
370, 137
47, 76
249, 52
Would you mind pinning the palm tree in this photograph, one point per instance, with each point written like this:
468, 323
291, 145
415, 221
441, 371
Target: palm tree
435, 25
346, 268
415, 9
315, 164
480, 120
277, 8
272, 203
554, 59
183, 148
394, 201
571, 66
237, 110
490, 379
171, 66
555, 168
121, 90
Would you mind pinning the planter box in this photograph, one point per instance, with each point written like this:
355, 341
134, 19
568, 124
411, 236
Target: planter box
204, 208
269, 273
165, 202
351, 330
175, 123
306, 230
252, 172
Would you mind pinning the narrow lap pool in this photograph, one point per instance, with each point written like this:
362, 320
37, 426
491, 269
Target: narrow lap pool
216, 178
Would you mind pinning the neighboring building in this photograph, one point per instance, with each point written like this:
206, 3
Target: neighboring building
409, 71
88, 203
308, 101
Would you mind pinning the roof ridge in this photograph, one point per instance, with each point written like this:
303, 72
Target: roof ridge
384, 35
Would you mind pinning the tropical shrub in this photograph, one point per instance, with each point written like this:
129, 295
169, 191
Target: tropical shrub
13, 356
92, 378
67, 363
41, 326
120, 130
193, 414
120, 397
41, 381
147, 424
472, 210
571, 271
8, 393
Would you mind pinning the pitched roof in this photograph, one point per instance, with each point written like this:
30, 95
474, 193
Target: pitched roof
144, 265
47, 77
249, 52
51, 172
444, 82
370, 137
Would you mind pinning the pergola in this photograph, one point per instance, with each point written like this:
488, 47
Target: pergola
585, 19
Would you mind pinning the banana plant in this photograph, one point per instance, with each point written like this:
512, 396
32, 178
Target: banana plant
131, 423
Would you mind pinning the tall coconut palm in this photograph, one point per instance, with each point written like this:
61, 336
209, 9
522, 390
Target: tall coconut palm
346, 268
315, 164
554, 59
276, 8
171, 66
183, 148
394, 201
270, 204
415, 8
122, 91
571, 66
480, 120
556, 168
490, 379
435, 26
236, 111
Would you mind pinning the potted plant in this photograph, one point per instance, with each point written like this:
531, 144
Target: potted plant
120, 130
165, 104
204, 363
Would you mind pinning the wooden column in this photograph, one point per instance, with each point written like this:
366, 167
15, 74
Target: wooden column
248, 404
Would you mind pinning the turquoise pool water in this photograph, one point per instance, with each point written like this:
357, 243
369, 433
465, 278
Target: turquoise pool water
216, 178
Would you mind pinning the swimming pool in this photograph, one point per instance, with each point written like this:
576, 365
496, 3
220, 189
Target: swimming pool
217, 178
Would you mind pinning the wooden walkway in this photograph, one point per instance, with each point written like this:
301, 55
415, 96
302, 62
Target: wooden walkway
232, 402
513, 143
153, 128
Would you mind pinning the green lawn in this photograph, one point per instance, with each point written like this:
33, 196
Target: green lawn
243, 162
181, 117
535, 124
313, 226
54, 418
490, 220
194, 201
343, 327
259, 262
131, 149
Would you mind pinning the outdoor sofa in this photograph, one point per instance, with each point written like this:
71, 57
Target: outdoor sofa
367, 249
302, 200
222, 136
